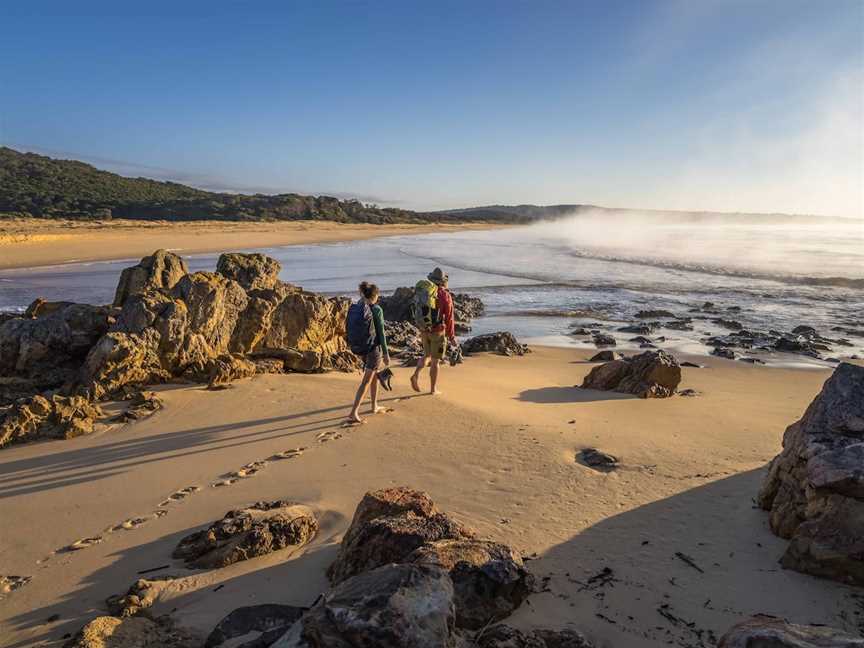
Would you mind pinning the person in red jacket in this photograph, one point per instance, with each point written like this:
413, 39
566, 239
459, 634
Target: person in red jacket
435, 340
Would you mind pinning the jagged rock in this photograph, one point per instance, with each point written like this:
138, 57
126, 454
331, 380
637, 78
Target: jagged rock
162, 269
679, 325
13, 388
140, 597
602, 339
723, 352
502, 342
403, 339
134, 632
142, 404
269, 365
49, 349
814, 489
394, 606
122, 359
40, 307
732, 325
242, 534
504, 636
772, 632
271, 620
653, 374
655, 314
387, 526
596, 459
489, 579
807, 331
57, 417
251, 271
215, 304
222, 370
606, 356
643, 328
466, 307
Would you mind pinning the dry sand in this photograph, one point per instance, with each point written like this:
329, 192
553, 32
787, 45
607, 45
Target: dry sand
35, 242
496, 450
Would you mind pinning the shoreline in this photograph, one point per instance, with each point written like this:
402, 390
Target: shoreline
35, 243
504, 465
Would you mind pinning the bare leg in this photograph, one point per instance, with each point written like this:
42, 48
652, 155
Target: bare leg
433, 376
373, 394
368, 376
415, 384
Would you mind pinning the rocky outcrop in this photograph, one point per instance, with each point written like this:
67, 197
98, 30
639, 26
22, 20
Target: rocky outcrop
503, 636
603, 339
772, 632
606, 356
653, 374
397, 307
270, 620
54, 417
489, 579
134, 632
814, 489
403, 340
47, 350
251, 271
162, 269
502, 342
393, 606
242, 534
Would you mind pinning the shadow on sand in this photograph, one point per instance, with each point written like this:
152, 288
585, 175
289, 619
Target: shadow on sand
569, 395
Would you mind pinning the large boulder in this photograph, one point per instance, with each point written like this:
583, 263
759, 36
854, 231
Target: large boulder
270, 620
214, 305
251, 271
489, 579
306, 322
119, 360
162, 269
56, 417
397, 307
502, 342
246, 533
771, 632
653, 374
133, 632
394, 606
814, 489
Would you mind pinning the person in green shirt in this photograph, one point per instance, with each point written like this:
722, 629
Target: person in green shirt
373, 361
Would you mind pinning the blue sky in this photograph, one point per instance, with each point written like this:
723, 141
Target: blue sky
702, 104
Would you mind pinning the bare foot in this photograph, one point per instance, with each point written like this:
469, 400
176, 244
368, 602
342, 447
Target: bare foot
353, 420
415, 385
435, 392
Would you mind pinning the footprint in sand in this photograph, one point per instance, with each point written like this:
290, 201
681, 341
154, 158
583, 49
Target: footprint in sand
132, 523
249, 470
84, 543
160, 512
179, 495
328, 435
288, 454
9, 583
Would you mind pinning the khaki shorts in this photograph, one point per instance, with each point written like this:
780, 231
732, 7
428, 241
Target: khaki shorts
434, 344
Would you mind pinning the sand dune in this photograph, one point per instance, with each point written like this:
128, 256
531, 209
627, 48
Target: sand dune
689, 554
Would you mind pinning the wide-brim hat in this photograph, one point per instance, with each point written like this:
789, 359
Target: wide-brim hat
437, 276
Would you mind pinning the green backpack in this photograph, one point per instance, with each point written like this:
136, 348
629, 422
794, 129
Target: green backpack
425, 306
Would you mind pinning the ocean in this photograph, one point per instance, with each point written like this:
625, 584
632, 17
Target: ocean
539, 281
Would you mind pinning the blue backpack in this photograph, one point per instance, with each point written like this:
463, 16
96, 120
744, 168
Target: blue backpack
360, 328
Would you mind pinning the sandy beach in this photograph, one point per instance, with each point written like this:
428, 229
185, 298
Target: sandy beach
35, 242
497, 450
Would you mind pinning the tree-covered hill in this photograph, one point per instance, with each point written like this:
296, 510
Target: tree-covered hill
42, 187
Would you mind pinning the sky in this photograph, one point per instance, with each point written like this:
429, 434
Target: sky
753, 106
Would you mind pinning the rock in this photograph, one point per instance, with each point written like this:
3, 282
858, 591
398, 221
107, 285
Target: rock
120, 360
751, 360
269, 365
489, 579
504, 636
223, 370
242, 534
161, 269
602, 339
688, 392
466, 307
679, 325
723, 352
214, 304
49, 349
595, 459
55, 417
142, 404
502, 342
640, 329
40, 307
251, 271
732, 325
640, 339
138, 598
135, 632
391, 539
806, 331
772, 632
814, 489
397, 307
271, 620
394, 606
655, 314
403, 339
606, 356
653, 374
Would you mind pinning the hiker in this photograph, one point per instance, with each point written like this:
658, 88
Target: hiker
433, 314
365, 329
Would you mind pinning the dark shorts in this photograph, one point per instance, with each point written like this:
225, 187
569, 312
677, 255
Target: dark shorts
373, 359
